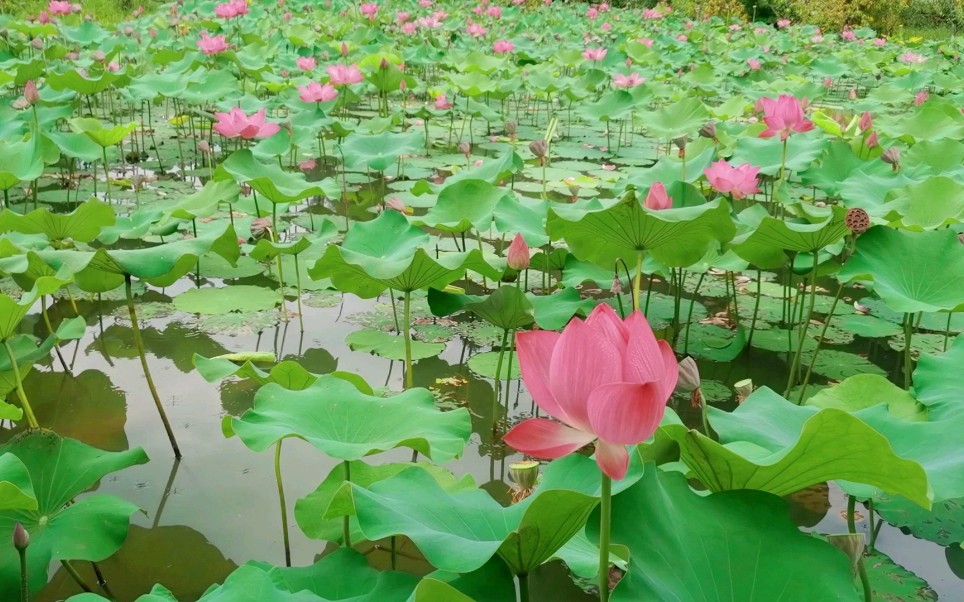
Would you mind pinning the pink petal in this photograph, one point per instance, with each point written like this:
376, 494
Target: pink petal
582, 360
643, 360
605, 320
268, 130
626, 413
667, 383
535, 350
612, 459
545, 438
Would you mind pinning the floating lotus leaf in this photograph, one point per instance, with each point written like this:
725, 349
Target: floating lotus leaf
270, 181
328, 412
236, 298
390, 346
464, 205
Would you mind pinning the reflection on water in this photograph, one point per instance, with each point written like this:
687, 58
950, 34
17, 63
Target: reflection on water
220, 509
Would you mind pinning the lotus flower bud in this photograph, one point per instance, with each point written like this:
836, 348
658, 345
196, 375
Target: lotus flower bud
21, 539
261, 228
657, 198
30, 93
866, 121
851, 544
617, 286
98, 55
857, 220
344, 49
872, 140
395, 204
465, 148
37, 44
511, 127
709, 130
891, 157
383, 64
539, 148
518, 254
689, 375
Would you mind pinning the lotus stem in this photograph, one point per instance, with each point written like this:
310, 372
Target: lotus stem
301, 319
508, 370
689, 315
281, 499
407, 318
823, 333
478, 237
281, 276
76, 576
947, 329
24, 581
102, 581
756, 307
523, 587
865, 580
805, 323
870, 517
605, 510
908, 335
27, 410
637, 281
851, 511
106, 173
498, 383
346, 520
136, 329
50, 331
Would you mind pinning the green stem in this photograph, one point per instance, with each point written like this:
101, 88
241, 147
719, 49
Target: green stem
281, 498
498, 382
605, 509
908, 336
947, 330
407, 318
106, 173
24, 583
756, 308
27, 410
689, 315
301, 320
865, 581
872, 527
346, 520
637, 281
851, 510
76, 576
805, 323
136, 329
823, 333
523, 587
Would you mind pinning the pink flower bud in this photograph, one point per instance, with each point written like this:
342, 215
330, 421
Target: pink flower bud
518, 254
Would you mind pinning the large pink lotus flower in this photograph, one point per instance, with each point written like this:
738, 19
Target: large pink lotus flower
369, 10
232, 9
502, 46
344, 75
783, 116
475, 30
782, 23
605, 380
315, 92
212, 45
627, 81
754, 64
657, 198
60, 7
736, 181
237, 124
594, 54
306, 63
494, 11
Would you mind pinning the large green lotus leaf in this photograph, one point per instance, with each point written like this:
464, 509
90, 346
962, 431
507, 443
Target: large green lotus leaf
461, 531
344, 423
102, 135
161, 265
834, 166
939, 381
73, 80
943, 524
767, 153
345, 575
90, 528
929, 121
12, 311
494, 582
83, 224
743, 547
390, 346
20, 161
910, 271
381, 151
940, 156
507, 307
389, 252
773, 445
669, 169
772, 239
610, 107
676, 237
523, 216
320, 513
551, 312
866, 390
270, 181
464, 205
492, 170
16, 488
205, 202
237, 298
683, 117
891, 581
288, 374
934, 203
268, 250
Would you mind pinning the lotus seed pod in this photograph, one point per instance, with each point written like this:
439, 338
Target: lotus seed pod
851, 544
538, 148
857, 220
261, 228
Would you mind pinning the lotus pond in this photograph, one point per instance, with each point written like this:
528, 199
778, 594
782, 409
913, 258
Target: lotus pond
283, 285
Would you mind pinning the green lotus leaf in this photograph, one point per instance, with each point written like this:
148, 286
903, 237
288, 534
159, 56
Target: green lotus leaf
388, 252
610, 107
464, 205
934, 203
236, 298
801, 446
772, 240
13, 311
683, 117
342, 575
16, 488
767, 153
270, 181
60, 527
866, 390
102, 135
267, 249
205, 202
770, 560
507, 307
899, 265
551, 312
939, 383
328, 413
73, 80
389, 346
379, 152
83, 224
288, 374
461, 531
675, 237
522, 216
20, 161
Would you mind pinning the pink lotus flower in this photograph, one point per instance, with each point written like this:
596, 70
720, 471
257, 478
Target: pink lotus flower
494, 11
402, 16
396, 204
627, 81
852, 94
315, 92
848, 36
475, 30
112, 66
754, 64
921, 97
43, 18
605, 380
306, 63
60, 7
344, 75
502, 46
783, 116
237, 124
425, 3
683, 37
212, 45
866, 121
594, 54
225, 10
651, 13
816, 39
517, 256
369, 10
442, 103
828, 82
736, 181
592, 12
409, 28
880, 42
307, 165
657, 199
647, 42
911, 57
606, 26
735, 27
30, 92
782, 23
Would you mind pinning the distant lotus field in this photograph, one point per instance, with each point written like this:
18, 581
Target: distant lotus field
445, 301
